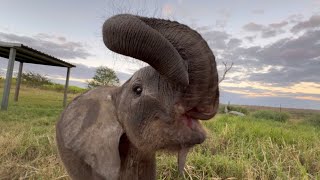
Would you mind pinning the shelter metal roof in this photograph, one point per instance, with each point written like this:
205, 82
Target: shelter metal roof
29, 55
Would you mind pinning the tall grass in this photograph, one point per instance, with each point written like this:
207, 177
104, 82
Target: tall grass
27, 135
243, 148
314, 120
271, 115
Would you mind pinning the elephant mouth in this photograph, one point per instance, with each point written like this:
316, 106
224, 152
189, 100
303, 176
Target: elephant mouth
193, 131
190, 122
195, 134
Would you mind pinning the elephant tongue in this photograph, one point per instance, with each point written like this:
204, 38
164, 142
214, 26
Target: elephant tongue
182, 157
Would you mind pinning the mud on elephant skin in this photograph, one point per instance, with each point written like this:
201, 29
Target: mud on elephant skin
114, 132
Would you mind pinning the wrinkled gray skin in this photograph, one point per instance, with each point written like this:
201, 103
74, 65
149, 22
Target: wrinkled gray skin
114, 133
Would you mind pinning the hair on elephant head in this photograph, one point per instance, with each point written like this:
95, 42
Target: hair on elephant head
114, 132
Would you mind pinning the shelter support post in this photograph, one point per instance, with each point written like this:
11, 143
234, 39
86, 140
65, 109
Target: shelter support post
66, 88
16, 94
7, 84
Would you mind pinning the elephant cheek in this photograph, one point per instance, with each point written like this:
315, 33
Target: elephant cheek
142, 124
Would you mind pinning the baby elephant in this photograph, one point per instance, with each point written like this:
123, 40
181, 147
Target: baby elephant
114, 132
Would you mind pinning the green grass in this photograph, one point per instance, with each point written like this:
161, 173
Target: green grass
27, 135
244, 148
271, 115
314, 120
236, 147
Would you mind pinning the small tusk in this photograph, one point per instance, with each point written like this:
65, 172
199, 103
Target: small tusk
182, 156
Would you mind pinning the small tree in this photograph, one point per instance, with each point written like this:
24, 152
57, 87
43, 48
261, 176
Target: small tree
226, 70
104, 76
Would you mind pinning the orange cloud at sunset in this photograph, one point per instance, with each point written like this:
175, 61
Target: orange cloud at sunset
310, 90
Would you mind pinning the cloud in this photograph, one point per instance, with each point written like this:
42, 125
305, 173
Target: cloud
293, 51
57, 46
223, 17
253, 27
250, 38
225, 13
216, 39
284, 62
279, 25
167, 10
234, 43
221, 23
180, 1
295, 18
284, 70
303, 95
268, 31
274, 101
203, 28
262, 89
258, 11
312, 23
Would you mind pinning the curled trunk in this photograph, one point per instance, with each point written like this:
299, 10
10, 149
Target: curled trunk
175, 51
128, 35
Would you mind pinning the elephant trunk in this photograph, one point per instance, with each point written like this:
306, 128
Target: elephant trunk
201, 97
175, 51
128, 35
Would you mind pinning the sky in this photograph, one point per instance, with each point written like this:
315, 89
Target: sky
274, 45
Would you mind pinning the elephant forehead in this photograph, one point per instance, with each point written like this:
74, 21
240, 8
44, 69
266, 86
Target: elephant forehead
146, 74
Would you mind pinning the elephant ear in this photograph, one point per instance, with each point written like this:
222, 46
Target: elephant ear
90, 129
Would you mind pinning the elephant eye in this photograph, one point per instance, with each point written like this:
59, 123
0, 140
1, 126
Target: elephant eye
137, 90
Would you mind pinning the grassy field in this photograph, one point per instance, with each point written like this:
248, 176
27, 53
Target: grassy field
237, 147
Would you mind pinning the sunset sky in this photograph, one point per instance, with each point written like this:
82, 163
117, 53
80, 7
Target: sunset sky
274, 45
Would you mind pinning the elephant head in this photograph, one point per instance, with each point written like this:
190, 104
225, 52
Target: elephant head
113, 133
177, 52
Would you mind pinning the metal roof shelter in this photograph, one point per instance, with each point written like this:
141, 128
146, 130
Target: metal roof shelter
25, 54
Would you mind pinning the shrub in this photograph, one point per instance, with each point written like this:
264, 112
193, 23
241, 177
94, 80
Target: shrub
36, 80
239, 109
233, 108
314, 120
60, 88
221, 109
271, 115
33, 79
